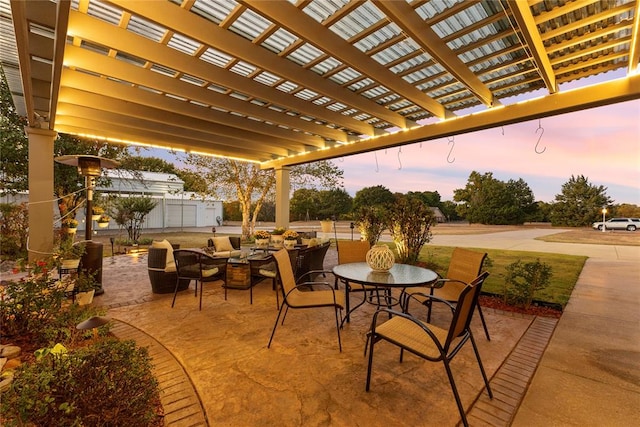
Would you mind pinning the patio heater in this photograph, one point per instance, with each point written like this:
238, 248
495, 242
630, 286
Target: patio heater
90, 167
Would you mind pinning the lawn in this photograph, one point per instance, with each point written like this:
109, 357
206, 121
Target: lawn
565, 269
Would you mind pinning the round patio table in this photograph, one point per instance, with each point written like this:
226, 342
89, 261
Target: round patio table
399, 276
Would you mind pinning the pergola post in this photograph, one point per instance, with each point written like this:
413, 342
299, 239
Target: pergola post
283, 187
41, 203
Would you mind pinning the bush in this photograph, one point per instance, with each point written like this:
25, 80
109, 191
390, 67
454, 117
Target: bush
523, 280
14, 223
106, 384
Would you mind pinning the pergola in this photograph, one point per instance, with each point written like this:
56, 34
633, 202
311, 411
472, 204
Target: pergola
289, 82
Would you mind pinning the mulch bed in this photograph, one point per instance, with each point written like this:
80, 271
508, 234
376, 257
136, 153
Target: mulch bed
535, 309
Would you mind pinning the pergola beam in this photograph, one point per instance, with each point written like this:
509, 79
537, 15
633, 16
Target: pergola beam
529, 31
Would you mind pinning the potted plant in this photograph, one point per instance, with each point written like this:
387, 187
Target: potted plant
262, 238
71, 224
96, 212
290, 239
277, 238
103, 221
326, 225
84, 287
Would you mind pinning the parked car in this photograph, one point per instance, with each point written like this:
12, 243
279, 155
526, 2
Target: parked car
629, 224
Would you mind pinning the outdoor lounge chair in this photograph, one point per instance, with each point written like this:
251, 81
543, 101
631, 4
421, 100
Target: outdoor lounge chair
304, 294
197, 265
161, 267
465, 265
431, 342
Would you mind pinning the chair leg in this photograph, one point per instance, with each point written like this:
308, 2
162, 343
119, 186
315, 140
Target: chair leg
455, 393
370, 337
338, 327
484, 325
201, 287
484, 375
175, 292
275, 325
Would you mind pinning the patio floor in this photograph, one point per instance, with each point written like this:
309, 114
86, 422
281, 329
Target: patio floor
215, 368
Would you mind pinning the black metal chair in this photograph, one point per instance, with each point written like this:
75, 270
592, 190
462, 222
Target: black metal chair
197, 265
304, 295
428, 341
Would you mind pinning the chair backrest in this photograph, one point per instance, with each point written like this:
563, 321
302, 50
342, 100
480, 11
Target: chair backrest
187, 263
352, 251
311, 258
465, 265
464, 308
285, 270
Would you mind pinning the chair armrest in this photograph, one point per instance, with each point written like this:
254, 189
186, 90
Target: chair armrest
309, 273
427, 300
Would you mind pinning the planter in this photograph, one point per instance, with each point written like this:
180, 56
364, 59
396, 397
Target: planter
277, 241
72, 230
103, 224
290, 244
326, 226
85, 298
95, 217
262, 243
380, 258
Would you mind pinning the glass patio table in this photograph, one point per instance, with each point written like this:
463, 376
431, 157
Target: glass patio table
399, 276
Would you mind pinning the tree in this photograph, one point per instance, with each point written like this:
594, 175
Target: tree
429, 198
148, 164
130, 212
251, 186
409, 221
14, 145
378, 195
579, 203
304, 204
333, 203
627, 210
487, 200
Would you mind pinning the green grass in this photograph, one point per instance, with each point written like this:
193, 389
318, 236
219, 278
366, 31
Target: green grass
565, 269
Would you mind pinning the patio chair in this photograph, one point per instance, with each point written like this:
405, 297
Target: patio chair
161, 268
305, 294
266, 269
196, 265
354, 251
465, 265
431, 342
311, 261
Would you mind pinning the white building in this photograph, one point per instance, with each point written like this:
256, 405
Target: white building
175, 208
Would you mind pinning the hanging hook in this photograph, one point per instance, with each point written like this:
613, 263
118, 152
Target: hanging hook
541, 129
375, 153
451, 142
399, 161
341, 159
502, 130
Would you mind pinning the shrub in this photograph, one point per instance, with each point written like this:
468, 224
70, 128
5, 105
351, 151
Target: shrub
107, 384
523, 280
14, 223
409, 221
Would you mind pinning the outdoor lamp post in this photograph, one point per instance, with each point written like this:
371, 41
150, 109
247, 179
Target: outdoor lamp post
90, 167
112, 239
352, 226
604, 214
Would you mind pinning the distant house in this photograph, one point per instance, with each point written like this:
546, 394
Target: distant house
440, 217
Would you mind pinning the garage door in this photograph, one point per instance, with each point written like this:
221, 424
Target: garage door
181, 216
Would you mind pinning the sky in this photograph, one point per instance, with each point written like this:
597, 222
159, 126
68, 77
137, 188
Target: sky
603, 144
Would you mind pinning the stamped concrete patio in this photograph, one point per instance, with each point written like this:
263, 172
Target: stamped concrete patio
215, 368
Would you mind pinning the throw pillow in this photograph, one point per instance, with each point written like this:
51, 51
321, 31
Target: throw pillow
222, 244
164, 244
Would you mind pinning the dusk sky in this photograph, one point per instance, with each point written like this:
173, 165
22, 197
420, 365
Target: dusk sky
603, 144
